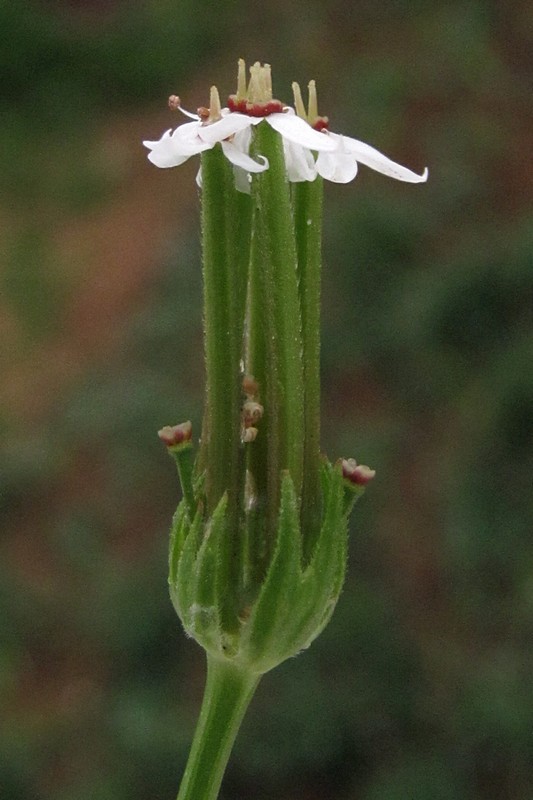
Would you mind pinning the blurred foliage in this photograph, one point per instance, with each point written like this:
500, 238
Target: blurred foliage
420, 688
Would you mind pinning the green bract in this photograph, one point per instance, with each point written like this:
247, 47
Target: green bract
260, 620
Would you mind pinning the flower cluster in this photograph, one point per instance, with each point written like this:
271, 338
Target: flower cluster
310, 148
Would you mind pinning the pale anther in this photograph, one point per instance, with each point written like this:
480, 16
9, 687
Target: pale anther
241, 80
312, 115
215, 109
298, 101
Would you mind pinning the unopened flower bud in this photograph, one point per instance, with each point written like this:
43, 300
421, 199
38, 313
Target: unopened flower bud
176, 435
251, 413
250, 386
358, 474
249, 435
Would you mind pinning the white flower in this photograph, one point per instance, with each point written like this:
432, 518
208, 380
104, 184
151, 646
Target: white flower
341, 164
232, 127
189, 139
174, 148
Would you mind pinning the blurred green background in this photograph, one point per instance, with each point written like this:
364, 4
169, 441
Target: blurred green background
421, 687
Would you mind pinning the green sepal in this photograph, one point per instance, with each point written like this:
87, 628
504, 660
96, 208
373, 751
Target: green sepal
352, 493
196, 575
321, 580
324, 575
273, 608
184, 457
204, 610
178, 534
181, 585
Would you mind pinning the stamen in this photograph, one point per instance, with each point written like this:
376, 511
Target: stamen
298, 101
313, 104
241, 80
256, 99
316, 122
215, 109
254, 87
268, 81
174, 103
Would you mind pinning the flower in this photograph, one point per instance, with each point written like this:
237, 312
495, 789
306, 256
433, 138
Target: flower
176, 435
341, 164
356, 474
232, 127
189, 139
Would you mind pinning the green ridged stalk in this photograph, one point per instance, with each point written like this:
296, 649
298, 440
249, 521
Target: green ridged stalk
227, 694
225, 278
307, 203
275, 335
226, 237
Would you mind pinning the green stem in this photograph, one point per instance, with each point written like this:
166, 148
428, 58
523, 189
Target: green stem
228, 692
275, 330
225, 236
185, 464
256, 365
307, 204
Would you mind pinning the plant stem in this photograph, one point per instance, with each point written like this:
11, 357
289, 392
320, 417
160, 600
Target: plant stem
225, 224
275, 330
228, 692
307, 205
185, 465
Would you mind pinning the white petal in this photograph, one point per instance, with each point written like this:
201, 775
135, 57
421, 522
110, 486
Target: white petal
164, 154
372, 158
299, 131
223, 128
243, 180
151, 144
339, 167
188, 131
240, 159
299, 162
242, 139
199, 178
188, 145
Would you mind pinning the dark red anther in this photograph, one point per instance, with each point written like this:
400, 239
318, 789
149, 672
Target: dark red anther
321, 124
236, 105
254, 109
